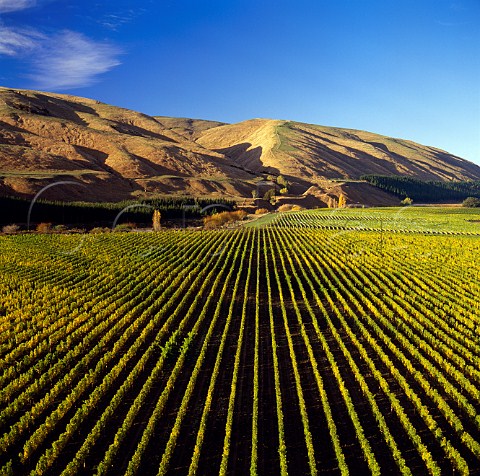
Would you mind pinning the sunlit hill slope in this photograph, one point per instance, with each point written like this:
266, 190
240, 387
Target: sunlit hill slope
119, 154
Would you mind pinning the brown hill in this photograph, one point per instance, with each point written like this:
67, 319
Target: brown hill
190, 128
312, 153
119, 154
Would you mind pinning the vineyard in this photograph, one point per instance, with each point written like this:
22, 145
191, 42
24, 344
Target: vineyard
341, 343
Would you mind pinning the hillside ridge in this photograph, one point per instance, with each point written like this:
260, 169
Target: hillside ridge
118, 153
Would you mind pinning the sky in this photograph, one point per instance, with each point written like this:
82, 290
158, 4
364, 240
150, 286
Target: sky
402, 68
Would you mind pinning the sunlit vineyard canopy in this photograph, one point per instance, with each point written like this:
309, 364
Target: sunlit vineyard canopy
339, 342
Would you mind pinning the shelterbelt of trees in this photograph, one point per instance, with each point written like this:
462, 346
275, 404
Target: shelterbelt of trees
425, 191
16, 210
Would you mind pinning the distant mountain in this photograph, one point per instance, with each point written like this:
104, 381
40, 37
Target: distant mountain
117, 153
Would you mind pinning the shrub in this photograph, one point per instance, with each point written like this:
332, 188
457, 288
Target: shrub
238, 215
219, 219
44, 227
10, 228
59, 228
286, 207
406, 201
284, 191
269, 194
99, 229
471, 202
297, 208
125, 227
261, 211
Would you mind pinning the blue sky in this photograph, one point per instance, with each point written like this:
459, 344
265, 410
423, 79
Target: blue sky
403, 68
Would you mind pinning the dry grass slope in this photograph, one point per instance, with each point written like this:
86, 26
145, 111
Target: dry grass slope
118, 153
314, 153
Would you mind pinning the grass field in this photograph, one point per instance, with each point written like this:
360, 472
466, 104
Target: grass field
342, 342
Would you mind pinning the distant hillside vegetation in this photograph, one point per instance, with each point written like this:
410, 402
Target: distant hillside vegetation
425, 191
19, 210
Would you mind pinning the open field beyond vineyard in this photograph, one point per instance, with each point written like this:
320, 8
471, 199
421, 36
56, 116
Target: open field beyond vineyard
318, 343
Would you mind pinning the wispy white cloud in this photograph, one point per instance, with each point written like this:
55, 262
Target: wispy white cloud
17, 41
61, 61
15, 5
71, 60
458, 6
113, 21
452, 23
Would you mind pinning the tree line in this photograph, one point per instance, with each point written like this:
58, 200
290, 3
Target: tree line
15, 210
425, 191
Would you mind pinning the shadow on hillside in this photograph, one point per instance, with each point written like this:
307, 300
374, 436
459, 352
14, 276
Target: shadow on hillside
96, 157
148, 167
137, 131
299, 185
56, 108
353, 161
249, 159
47, 106
43, 105
140, 165
14, 138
